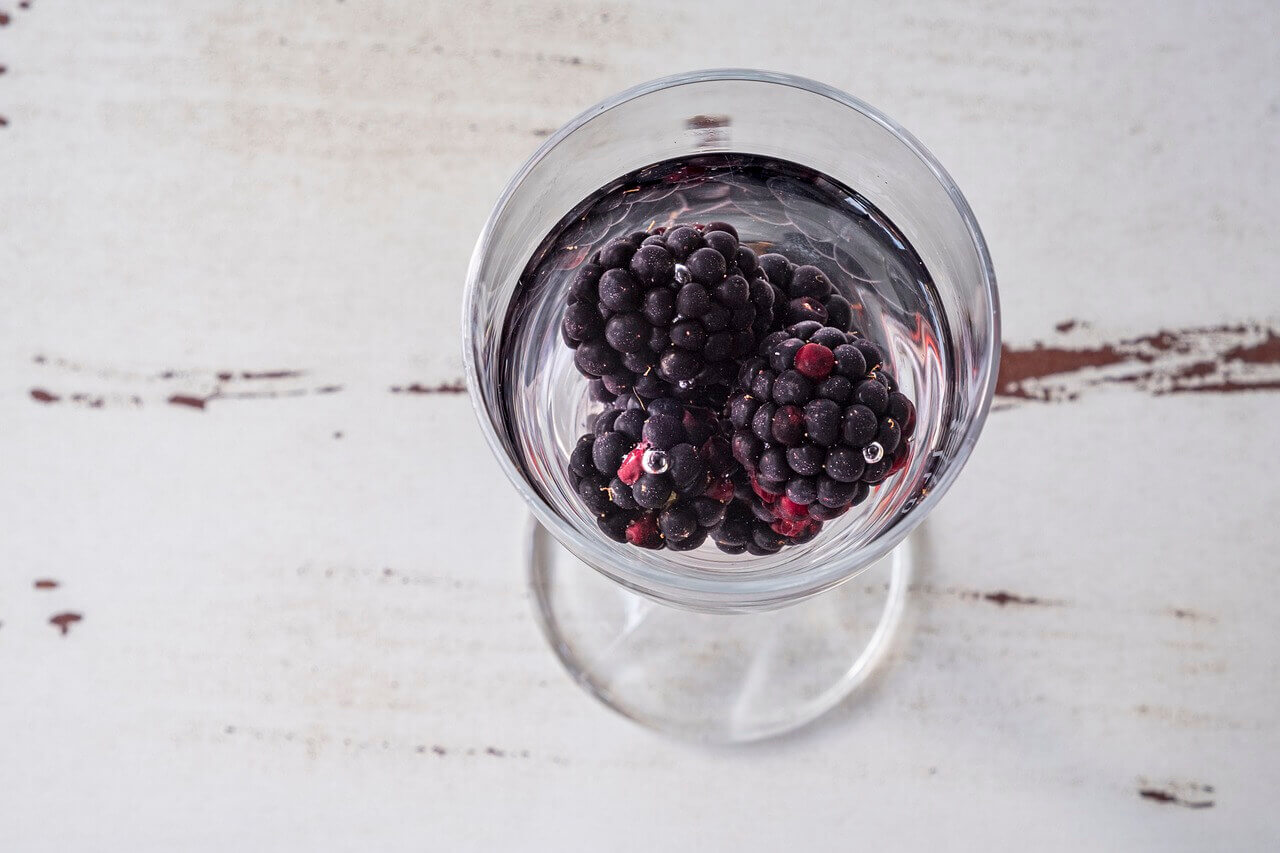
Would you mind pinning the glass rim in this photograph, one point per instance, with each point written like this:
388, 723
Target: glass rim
728, 592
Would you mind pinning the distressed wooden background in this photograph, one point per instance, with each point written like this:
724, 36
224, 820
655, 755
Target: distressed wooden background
251, 596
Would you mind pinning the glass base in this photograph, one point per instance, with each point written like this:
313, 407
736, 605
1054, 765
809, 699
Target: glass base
711, 677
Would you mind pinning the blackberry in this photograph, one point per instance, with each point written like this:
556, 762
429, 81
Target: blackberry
677, 307
810, 426
663, 468
624, 301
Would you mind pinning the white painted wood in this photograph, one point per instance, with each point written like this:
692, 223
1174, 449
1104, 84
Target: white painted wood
297, 641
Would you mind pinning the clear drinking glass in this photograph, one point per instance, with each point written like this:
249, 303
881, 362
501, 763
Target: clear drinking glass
702, 644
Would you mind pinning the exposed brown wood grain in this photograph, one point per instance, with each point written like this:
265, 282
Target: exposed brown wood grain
1213, 359
1161, 796
454, 387
64, 621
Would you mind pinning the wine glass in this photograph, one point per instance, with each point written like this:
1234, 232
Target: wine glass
702, 644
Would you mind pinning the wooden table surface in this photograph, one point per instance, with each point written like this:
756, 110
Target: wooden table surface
252, 593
